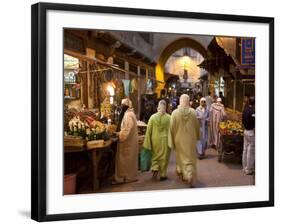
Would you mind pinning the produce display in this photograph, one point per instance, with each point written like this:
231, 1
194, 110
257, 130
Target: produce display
233, 115
88, 113
231, 139
94, 130
97, 126
111, 129
230, 127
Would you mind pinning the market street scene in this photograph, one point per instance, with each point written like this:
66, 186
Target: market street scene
157, 111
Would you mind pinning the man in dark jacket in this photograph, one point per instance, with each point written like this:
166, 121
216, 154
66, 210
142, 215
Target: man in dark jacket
248, 119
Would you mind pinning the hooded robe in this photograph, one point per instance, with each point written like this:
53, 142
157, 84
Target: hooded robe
184, 134
216, 115
156, 139
202, 114
127, 150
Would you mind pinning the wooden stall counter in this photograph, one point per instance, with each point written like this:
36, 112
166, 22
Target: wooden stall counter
95, 148
74, 144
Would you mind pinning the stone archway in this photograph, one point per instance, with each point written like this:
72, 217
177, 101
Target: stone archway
169, 50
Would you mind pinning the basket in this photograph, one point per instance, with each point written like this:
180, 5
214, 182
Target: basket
70, 141
69, 186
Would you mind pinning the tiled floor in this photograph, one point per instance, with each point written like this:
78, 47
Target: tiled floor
210, 174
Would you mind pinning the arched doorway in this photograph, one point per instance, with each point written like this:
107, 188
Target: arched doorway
169, 50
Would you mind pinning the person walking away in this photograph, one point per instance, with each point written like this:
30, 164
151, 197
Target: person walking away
126, 164
184, 134
156, 139
196, 102
202, 114
217, 114
222, 97
248, 120
209, 100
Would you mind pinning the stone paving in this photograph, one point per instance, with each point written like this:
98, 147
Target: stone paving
211, 173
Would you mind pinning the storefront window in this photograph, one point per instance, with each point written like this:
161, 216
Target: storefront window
219, 86
71, 85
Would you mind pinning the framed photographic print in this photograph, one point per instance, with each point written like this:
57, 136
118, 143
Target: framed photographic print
139, 111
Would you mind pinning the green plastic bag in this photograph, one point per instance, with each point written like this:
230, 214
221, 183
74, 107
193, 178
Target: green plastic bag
145, 159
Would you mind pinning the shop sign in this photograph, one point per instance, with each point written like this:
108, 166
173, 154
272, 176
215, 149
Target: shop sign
248, 51
70, 62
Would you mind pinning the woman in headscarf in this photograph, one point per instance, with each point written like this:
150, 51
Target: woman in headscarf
156, 139
184, 134
202, 114
126, 166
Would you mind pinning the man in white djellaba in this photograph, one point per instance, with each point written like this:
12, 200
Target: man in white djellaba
126, 166
202, 114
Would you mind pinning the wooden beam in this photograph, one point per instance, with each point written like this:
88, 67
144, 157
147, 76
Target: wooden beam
105, 49
85, 88
125, 57
95, 60
139, 93
234, 92
127, 69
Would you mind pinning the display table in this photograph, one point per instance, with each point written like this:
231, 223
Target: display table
96, 154
76, 145
230, 144
230, 137
95, 149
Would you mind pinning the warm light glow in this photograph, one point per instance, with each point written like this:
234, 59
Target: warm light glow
110, 90
111, 100
185, 61
177, 65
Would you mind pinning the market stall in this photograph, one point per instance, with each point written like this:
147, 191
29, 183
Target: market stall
87, 135
231, 137
96, 139
91, 119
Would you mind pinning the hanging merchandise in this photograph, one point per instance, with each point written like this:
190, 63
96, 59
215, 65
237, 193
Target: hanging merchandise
149, 84
107, 99
108, 74
107, 108
119, 90
126, 84
96, 89
134, 85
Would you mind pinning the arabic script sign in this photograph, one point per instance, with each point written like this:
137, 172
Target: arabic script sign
247, 51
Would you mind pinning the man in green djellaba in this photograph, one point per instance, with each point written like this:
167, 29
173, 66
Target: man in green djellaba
156, 139
184, 134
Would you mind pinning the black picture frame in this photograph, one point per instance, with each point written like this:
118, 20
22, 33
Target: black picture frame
39, 122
